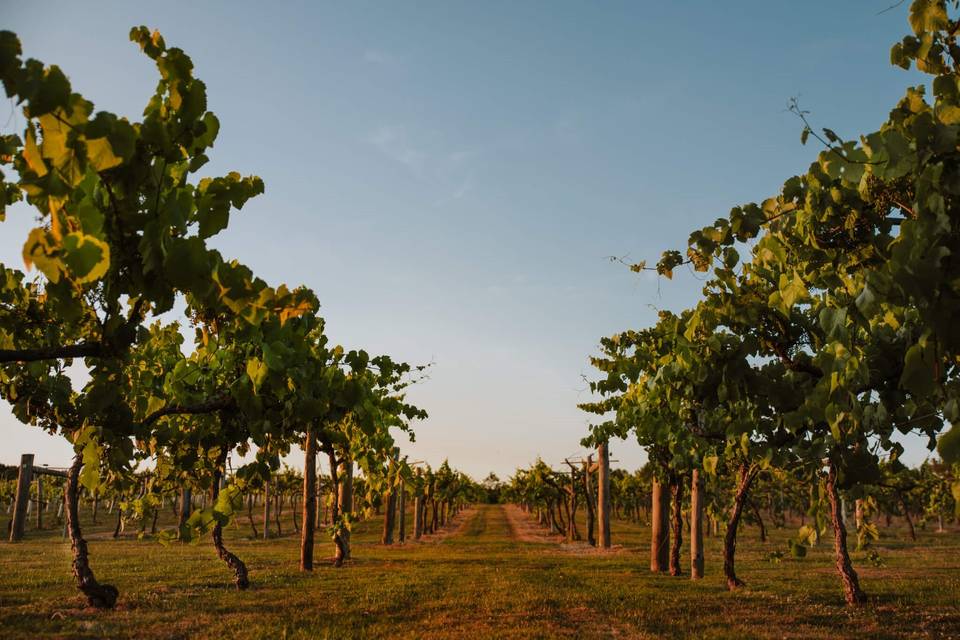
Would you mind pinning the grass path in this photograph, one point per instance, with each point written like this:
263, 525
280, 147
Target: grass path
492, 574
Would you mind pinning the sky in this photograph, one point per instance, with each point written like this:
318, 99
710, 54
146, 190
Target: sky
451, 178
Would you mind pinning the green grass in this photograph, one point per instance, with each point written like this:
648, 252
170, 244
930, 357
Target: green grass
479, 582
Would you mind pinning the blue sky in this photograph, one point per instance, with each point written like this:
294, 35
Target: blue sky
449, 177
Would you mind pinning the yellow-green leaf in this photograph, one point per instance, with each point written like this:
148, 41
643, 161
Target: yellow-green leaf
100, 154
31, 153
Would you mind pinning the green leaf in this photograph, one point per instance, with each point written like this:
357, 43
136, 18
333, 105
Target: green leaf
833, 322
272, 357
257, 371
797, 550
710, 464
32, 155
807, 535
110, 141
949, 114
899, 57
928, 15
38, 251
90, 473
86, 257
188, 263
918, 371
100, 155
866, 301
792, 290
49, 89
948, 446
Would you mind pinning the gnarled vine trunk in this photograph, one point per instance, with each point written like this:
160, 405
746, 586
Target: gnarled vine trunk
559, 524
389, 518
100, 596
256, 534
572, 533
116, 529
340, 549
746, 473
677, 540
696, 526
186, 503
293, 512
906, 516
417, 517
759, 519
240, 577
278, 511
851, 583
346, 505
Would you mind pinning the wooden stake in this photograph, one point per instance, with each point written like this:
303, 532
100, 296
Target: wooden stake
266, 509
603, 493
402, 508
23, 497
696, 526
588, 488
659, 527
39, 501
309, 500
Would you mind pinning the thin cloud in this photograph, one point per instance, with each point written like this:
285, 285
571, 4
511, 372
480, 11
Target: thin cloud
451, 173
393, 142
378, 57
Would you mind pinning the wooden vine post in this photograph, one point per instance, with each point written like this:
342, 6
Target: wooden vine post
186, 503
24, 476
417, 517
418, 499
266, 509
309, 500
588, 489
603, 493
39, 501
402, 508
696, 526
659, 527
389, 517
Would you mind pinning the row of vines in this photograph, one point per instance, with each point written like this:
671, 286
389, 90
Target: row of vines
921, 498
825, 332
120, 246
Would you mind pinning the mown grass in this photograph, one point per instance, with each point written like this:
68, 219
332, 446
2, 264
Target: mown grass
480, 582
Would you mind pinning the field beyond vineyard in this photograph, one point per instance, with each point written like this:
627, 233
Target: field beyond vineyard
483, 578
